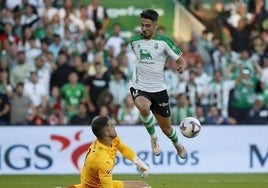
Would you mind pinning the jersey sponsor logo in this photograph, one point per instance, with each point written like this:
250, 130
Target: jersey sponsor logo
145, 54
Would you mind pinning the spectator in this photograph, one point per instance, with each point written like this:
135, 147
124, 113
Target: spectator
241, 13
56, 45
19, 72
57, 29
43, 70
18, 28
8, 34
88, 55
60, 76
73, 93
69, 9
126, 51
265, 96
239, 36
202, 80
216, 118
115, 40
191, 57
24, 43
242, 96
244, 60
106, 99
216, 90
7, 16
36, 91
5, 64
55, 98
128, 114
81, 118
29, 16
4, 109
181, 110
33, 51
213, 18
95, 84
118, 88
80, 45
261, 14
222, 58
39, 117
98, 14
259, 50
80, 68
70, 25
264, 75
172, 80
258, 114
200, 115
68, 42
5, 87
48, 10
124, 66
190, 88
21, 105
57, 117
86, 26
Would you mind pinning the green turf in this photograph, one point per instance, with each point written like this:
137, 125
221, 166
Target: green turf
156, 181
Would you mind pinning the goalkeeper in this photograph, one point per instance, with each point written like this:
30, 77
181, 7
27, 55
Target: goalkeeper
101, 155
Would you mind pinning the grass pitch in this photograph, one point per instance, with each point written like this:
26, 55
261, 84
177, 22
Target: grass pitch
154, 180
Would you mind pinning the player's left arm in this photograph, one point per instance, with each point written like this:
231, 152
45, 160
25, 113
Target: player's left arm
175, 54
131, 155
124, 149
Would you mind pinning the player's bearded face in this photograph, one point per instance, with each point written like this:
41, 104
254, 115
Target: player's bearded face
112, 131
148, 28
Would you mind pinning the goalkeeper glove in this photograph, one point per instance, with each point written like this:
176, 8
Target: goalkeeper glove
142, 166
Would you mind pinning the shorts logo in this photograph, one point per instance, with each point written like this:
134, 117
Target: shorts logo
163, 104
135, 93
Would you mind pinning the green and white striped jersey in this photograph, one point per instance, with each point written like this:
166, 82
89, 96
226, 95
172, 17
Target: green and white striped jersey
151, 58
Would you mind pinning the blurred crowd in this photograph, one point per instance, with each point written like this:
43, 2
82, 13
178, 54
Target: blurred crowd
60, 66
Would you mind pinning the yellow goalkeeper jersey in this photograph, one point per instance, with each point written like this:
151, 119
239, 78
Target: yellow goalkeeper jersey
100, 161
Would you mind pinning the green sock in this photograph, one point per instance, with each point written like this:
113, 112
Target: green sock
148, 122
174, 137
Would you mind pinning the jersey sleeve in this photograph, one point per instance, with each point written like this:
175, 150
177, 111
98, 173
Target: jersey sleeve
125, 150
170, 48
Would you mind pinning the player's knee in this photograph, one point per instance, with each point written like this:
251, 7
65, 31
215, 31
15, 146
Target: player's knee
144, 110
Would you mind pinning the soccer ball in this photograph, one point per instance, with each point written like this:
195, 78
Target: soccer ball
190, 127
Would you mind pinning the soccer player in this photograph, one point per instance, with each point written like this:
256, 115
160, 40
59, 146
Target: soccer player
148, 86
100, 159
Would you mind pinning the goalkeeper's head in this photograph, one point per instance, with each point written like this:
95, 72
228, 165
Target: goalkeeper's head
102, 127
